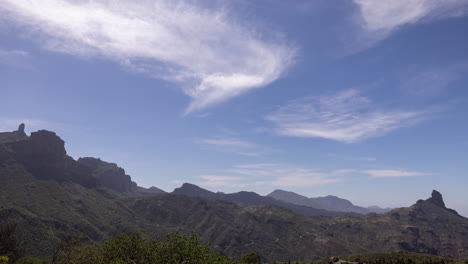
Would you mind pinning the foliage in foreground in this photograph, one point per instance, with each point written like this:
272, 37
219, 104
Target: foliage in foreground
134, 249
401, 257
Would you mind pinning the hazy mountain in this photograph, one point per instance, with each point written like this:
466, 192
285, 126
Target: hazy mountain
252, 198
50, 196
330, 202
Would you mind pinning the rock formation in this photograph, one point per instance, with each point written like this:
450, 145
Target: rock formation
21, 127
109, 175
14, 136
437, 199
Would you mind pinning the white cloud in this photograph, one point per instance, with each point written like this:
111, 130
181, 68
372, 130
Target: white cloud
278, 175
392, 173
272, 175
233, 144
215, 181
14, 52
347, 117
378, 19
355, 158
422, 81
210, 54
226, 142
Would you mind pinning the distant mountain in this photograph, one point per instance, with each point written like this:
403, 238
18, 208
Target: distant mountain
250, 198
330, 203
50, 196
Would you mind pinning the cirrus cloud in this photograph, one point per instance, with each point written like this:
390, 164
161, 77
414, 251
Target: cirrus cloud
208, 52
392, 173
347, 117
379, 19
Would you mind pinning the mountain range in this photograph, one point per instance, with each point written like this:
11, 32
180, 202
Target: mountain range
330, 202
50, 195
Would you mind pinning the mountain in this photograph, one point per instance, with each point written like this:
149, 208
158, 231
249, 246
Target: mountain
44, 156
330, 203
50, 196
250, 198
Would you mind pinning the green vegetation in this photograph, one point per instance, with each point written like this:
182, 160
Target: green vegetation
134, 249
251, 258
10, 246
401, 257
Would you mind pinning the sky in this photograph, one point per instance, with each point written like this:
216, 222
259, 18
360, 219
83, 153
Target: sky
366, 100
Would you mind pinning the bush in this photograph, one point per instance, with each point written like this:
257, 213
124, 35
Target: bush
251, 258
3, 260
134, 249
10, 245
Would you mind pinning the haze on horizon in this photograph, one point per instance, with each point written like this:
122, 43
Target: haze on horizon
365, 100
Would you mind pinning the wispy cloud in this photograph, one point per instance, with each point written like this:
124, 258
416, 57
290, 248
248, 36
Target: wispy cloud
392, 173
14, 58
432, 80
275, 175
347, 117
213, 56
215, 181
233, 144
14, 52
354, 158
280, 175
379, 19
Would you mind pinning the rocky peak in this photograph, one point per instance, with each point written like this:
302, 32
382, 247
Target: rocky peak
21, 127
436, 198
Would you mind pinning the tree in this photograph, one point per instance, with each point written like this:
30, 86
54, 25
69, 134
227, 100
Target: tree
251, 258
135, 249
10, 245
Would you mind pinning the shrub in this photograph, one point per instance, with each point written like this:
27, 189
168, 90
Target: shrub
251, 258
134, 249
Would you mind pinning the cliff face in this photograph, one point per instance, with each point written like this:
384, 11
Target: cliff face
109, 175
43, 154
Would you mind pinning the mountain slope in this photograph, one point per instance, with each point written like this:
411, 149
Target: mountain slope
330, 202
251, 198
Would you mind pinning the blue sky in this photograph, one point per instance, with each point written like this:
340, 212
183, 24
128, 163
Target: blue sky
366, 100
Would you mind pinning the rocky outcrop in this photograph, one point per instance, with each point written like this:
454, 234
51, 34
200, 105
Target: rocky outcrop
18, 135
109, 175
44, 155
436, 198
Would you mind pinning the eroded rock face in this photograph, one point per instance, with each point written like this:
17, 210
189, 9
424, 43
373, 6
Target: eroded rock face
46, 143
437, 199
109, 175
44, 156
